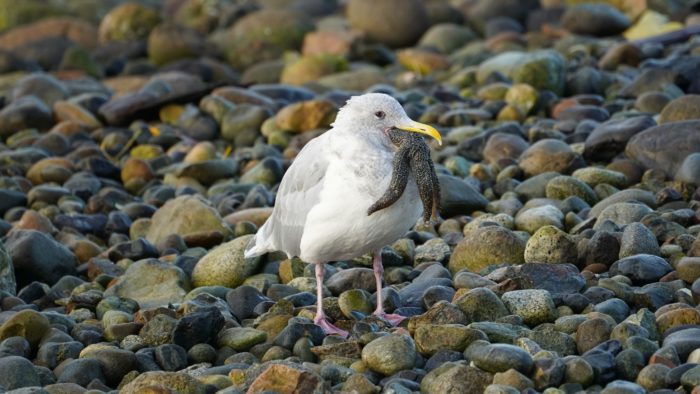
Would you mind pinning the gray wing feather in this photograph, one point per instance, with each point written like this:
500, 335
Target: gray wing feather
298, 193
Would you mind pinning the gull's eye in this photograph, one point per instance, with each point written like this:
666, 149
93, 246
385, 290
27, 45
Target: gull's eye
380, 114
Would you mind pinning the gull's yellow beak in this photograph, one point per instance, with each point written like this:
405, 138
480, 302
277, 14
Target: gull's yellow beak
417, 127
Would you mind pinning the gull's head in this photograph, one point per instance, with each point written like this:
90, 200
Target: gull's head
379, 113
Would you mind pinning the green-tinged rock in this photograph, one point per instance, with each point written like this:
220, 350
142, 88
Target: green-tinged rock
522, 97
549, 155
551, 245
500, 358
447, 37
355, 300
225, 265
159, 381
158, 330
535, 186
184, 216
216, 291
290, 269
264, 35
486, 246
312, 67
151, 283
441, 312
481, 304
499, 332
555, 341
241, 338
513, 379
358, 79
543, 70
29, 324
422, 61
390, 354
127, 22
359, 383
306, 115
114, 303
203, 15
14, 14
267, 172
502, 219
169, 42
66, 110
534, 306
116, 362
594, 176
241, 121
432, 338
202, 152
456, 377
458, 166
77, 58
216, 106
578, 370
262, 282
208, 172
561, 187
688, 269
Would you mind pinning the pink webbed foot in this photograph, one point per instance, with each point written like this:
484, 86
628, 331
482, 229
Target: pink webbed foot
329, 328
394, 319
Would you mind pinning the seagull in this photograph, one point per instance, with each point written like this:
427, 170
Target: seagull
321, 208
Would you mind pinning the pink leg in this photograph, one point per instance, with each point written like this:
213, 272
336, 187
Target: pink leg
320, 319
378, 272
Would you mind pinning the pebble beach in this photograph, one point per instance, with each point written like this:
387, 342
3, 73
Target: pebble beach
142, 144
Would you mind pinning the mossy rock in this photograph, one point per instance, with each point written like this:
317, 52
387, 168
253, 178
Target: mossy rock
543, 70
15, 13
161, 382
77, 58
265, 35
307, 69
225, 265
29, 324
564, 186
185, 215
169, 42
486, 246
127, 22
551, 245
447, 37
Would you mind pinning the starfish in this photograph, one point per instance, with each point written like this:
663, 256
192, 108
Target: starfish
412, 155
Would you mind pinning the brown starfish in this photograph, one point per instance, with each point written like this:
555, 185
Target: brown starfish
413, 154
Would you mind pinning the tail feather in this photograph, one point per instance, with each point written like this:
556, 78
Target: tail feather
254, 248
